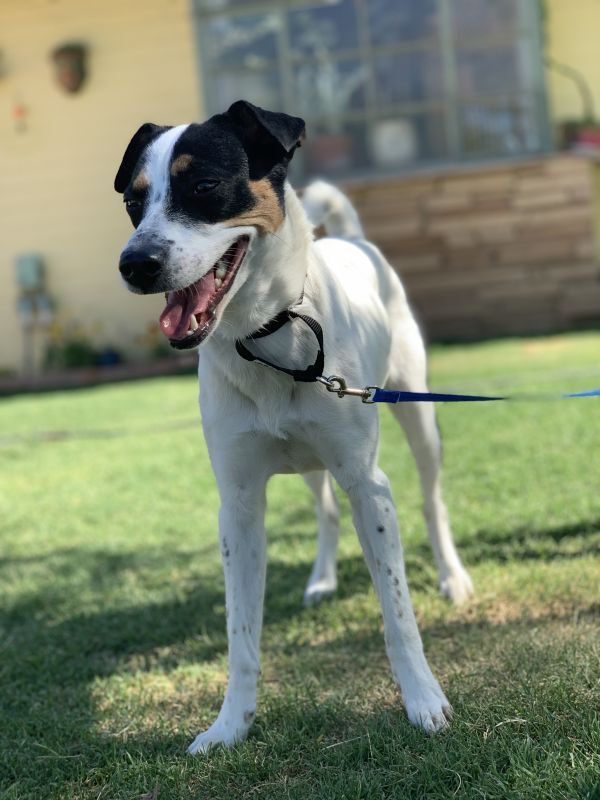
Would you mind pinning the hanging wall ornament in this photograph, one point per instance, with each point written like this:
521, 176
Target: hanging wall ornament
70, 67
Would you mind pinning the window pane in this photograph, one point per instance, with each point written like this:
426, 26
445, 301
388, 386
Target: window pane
317, 29
222, 5
246, 41
328, 152
414, 77
483, 71
388, 143
328, 89
408, 138
392, 21
484, 17
506, 128
261, 88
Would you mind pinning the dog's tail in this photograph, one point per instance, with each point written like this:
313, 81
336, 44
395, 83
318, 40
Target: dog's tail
325, 205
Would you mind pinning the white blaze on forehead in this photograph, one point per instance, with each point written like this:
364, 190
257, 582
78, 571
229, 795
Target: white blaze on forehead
158, 162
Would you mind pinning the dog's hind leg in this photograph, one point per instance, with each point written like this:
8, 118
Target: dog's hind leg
323, 577
420, 427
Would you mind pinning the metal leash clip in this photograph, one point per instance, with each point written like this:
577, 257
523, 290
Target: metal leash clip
337, 385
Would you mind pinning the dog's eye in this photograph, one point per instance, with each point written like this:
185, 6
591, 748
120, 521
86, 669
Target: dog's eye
202, 187
132, 205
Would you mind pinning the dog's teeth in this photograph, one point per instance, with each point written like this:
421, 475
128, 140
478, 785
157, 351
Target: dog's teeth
193, 323
218, 283
221, 270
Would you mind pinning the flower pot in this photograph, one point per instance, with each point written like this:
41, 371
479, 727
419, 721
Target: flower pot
330, 152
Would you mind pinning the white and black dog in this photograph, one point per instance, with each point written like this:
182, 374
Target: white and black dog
222, 233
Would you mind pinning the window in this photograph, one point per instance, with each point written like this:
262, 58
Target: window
383, 84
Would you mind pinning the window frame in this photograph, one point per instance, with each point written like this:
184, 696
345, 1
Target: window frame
526, 33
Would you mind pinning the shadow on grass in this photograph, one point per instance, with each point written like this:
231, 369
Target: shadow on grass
529, 542
336, 729
524, 542
102, 642
102, 565
48, 663
84, 645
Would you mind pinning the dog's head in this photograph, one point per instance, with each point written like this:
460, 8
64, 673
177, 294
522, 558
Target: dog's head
198, 195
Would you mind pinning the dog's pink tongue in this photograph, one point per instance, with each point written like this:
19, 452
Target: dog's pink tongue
175, 319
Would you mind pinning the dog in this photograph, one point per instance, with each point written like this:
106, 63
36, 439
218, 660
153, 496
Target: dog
220, 231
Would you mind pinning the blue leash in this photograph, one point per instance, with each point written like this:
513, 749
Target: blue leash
374, 394
390, 396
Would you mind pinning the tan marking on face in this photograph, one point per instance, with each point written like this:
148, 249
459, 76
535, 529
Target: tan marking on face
141, 182
181, 163
266, 215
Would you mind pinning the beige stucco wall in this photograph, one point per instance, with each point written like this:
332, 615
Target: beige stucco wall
572, 29
571, 38
56, 176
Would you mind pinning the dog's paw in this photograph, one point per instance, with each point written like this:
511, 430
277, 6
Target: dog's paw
429, 709
319, 590
219, 733
457, 586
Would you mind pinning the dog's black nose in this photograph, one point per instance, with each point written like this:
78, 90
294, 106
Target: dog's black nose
140, 268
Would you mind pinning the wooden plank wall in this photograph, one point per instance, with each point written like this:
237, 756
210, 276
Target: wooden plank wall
506, 249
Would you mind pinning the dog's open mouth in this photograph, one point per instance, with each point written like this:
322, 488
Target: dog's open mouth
191, 312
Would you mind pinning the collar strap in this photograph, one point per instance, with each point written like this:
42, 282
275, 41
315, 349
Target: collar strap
308, 375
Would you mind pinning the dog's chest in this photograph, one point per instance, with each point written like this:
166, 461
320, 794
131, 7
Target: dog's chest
297, 455
285, 422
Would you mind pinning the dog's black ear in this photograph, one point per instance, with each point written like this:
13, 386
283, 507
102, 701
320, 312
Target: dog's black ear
270, 137
141, 139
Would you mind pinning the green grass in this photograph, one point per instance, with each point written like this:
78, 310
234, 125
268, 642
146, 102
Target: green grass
112, 626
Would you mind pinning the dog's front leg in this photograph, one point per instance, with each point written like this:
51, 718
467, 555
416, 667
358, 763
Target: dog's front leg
243, 550
376, 523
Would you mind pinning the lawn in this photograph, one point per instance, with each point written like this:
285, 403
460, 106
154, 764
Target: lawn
112, 625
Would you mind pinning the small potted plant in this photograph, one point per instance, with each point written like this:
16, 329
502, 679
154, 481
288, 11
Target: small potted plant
325, 91
331, 149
